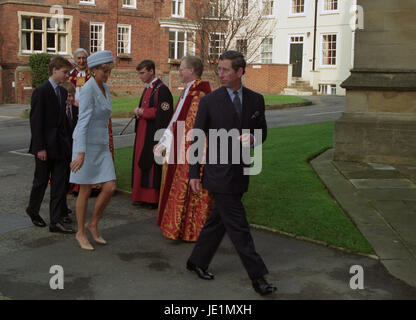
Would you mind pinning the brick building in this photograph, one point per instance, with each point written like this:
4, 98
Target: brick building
132, 29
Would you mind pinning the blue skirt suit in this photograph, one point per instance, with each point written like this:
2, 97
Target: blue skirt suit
91, 136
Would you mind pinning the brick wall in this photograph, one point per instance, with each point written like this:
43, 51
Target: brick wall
266, 78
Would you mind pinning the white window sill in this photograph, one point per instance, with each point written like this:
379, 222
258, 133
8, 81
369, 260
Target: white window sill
328, 67
327, 13
129, 7
293, 15
88, 4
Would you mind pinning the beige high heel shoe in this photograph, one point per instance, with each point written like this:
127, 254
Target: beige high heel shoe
98, 239
85, 246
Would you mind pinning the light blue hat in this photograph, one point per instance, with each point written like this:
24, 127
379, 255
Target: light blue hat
100, 57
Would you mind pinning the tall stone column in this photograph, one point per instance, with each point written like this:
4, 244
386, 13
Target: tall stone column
379, 123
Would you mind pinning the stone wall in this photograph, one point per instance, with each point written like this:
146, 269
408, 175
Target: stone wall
379, 123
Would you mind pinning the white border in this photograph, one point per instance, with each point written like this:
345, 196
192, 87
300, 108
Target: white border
329, 66
302, 14
97, 24
131, 6
323, 11
44, 30
129, 46
303, 35
180, 15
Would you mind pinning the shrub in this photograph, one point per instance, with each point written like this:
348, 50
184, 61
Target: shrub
39, 63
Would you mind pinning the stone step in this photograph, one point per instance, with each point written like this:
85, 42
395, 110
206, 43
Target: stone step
295, 92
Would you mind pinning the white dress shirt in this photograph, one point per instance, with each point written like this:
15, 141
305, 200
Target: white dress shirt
166, 139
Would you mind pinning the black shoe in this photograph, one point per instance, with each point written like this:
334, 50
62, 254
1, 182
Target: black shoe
152, 206
66, 219
199, 271
58, 227
37, 221
137, 203
263, 287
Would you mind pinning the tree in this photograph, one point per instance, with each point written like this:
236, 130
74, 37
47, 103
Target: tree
223, 25
39, 63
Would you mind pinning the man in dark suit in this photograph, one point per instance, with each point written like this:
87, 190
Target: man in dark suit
231, 107
50, 144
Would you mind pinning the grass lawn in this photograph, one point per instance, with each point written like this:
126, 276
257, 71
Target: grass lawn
273, 99
287, 195
128, 104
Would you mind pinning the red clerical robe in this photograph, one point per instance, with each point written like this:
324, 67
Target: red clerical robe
182, 214
157, 103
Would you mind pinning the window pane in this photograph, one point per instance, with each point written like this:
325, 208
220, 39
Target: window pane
62, 43
190, 43
172, 50
171, 35
26, 41
180, 6
173, 7
181, 48
37, 23
181, 36
50, 42
25, 23
37, 41
62, 25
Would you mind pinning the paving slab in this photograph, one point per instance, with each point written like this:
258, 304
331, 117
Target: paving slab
383, 183
383, 209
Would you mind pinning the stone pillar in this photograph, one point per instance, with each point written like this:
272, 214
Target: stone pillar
379, 123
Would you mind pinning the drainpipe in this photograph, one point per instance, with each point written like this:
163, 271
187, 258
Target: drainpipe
314, 35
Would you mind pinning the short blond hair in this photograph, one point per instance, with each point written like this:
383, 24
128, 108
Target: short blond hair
109, 65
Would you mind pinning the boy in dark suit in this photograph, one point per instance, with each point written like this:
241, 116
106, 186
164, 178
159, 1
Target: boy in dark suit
50, 144
71, 111
233, 108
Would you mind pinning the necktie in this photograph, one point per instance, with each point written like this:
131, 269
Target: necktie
237, 103
68, 114
58, 94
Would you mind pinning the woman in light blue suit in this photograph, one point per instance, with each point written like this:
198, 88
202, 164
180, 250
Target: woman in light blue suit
92, 162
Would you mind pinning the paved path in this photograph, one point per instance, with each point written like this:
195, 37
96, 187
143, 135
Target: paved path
139, 263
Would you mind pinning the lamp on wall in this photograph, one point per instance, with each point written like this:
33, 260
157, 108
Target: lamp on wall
308, 34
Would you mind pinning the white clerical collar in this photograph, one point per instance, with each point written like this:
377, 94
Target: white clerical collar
82, 73
150, 85
189, 84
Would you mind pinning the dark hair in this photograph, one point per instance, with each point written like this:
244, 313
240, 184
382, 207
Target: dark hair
195, 63
58, 62
237, 59
148, 64
68, 86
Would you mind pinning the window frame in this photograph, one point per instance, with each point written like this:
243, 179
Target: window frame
221, 47
129, 6
176, 14
102, 24
44, 17
128, 26
87, 2
299, 14
185, 43
329, 66
246, 46
324, 11
271, 50
273, 8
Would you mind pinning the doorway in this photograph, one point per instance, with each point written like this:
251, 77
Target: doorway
296, 55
